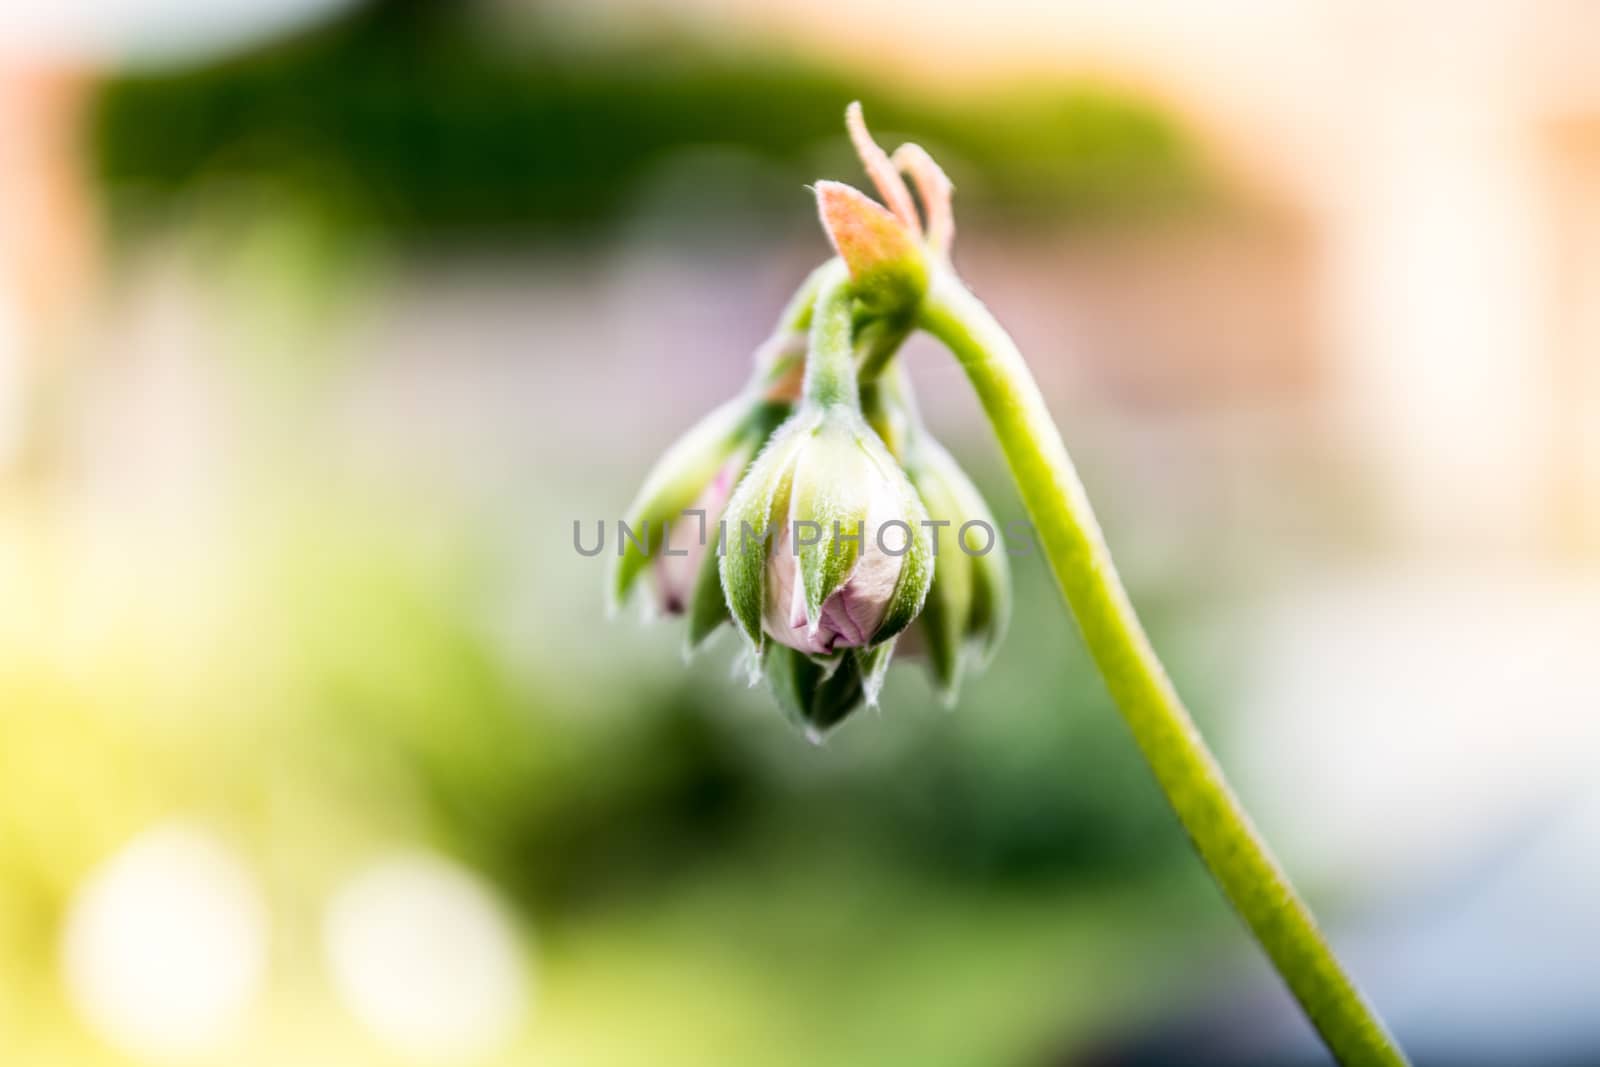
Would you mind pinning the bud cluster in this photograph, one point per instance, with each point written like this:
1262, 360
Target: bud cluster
826, 489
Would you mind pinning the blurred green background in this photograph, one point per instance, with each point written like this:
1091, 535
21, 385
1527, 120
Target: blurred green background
316, 745
348, 662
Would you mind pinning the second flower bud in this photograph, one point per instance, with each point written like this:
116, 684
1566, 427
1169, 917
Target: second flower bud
828, 547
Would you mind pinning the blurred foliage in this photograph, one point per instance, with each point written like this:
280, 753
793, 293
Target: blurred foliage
324, 668
584, 782
967, 886
419, 119
933, 886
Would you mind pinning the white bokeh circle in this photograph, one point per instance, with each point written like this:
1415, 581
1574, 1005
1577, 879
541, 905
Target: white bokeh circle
425, 956
165, 944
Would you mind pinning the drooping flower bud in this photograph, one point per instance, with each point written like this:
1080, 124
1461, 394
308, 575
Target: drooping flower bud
969, 604
827, 547
672, 526
828, 553
697, 472
824, 552
678, 560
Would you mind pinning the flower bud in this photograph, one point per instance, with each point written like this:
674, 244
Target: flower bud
673, 521
677, 563
827, 549
969, 603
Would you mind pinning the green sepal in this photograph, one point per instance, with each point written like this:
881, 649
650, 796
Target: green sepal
815, 694
873, 663
886, 262
760, 502
833, 486
916, 565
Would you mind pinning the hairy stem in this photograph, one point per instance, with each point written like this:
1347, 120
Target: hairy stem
831, 363
1187, 772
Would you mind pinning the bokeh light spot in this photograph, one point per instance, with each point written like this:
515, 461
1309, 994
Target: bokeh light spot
425, 957
165, 944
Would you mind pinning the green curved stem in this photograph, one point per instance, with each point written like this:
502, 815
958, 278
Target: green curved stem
1187, 772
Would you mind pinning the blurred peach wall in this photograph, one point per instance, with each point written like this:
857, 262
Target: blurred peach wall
47, 235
